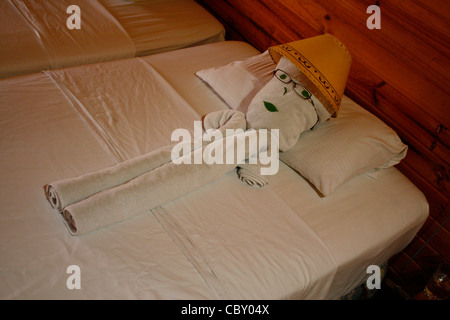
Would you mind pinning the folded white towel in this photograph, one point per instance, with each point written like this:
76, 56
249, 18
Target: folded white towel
135, 186
139, 195
67, 191
250, 174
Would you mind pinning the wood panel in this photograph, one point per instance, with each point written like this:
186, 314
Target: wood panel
399, 72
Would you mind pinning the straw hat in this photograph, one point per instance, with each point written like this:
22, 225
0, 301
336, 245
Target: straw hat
324, 63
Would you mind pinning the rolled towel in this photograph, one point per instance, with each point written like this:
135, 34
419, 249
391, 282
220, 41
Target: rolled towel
139, 195
149, 190
258, 168
250, 174
67, 191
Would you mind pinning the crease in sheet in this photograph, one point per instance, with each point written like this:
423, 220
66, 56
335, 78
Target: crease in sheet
190, 250
124, 145
117, 44
318, 238
166, 83
253, 242
87, 118
32, 26
119, 25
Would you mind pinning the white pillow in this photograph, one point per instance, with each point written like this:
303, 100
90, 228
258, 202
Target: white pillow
353, 143
238, 82
337, 150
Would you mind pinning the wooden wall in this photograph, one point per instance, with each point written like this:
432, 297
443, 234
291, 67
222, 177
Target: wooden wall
400, 72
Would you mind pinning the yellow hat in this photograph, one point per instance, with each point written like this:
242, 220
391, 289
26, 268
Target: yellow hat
324, 62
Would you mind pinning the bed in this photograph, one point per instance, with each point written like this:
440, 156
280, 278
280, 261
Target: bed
41, 35
225, 240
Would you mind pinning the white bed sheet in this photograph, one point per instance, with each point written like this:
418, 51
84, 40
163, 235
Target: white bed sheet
165, 25
35, 36
99, 38
365, 222
43, 138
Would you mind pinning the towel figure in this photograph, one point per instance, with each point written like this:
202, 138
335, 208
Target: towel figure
306, 89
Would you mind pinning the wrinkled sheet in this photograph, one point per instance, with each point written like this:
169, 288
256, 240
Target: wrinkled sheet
130, 108
365, 222
35, 36
49, 43
250, 243
165, 25
99, 94
22, 50
226, 240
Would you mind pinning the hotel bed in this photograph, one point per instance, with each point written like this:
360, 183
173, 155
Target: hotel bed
225, 240
35, 35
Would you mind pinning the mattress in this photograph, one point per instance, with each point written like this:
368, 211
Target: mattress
162, 25
41, 35
225, 240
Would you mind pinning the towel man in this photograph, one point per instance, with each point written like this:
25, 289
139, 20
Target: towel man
306, 89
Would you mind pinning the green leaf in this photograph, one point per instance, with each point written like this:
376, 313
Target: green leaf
270, 107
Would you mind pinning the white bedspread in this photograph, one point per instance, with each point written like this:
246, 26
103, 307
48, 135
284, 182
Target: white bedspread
49, 43
130, 108
165, 25
34, 33
107, 104
226, 240
249, 244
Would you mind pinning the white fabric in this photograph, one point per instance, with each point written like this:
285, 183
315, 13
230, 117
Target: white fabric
99, 38
184, 80
239, 81
90, 202
365, 222
35, 36
237, 243
278, 106
136, 263
19, 40
130, 116
353, 143
335, 151
255, 244
165, 25
67, 191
